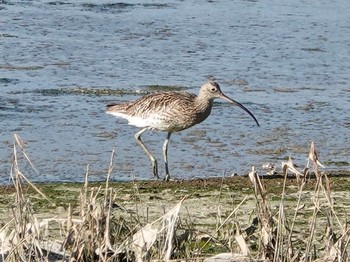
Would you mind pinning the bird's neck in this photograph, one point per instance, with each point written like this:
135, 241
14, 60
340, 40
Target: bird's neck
204, 105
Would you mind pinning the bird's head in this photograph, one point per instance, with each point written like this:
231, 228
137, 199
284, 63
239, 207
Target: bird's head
211, 91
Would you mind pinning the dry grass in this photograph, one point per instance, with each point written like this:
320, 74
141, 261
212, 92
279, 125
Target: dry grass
101, 229
278, 239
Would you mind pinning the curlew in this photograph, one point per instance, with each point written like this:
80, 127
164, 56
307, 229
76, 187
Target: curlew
170, 112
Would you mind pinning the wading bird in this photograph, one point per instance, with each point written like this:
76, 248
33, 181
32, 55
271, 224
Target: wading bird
170, 112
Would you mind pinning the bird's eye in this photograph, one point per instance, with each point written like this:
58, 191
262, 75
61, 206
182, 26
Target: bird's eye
213, 89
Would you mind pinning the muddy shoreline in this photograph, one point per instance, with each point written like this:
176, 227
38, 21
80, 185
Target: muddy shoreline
157, 193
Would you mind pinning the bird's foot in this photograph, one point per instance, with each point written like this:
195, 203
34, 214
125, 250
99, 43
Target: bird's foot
167, 177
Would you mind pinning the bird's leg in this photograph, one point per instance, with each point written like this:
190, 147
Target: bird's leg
148, 153
165, 155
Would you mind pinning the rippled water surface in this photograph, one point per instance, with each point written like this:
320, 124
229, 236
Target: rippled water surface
288, 62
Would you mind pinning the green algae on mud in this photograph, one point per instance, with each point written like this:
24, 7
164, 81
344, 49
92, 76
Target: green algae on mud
82, 91
164, 88
99, 91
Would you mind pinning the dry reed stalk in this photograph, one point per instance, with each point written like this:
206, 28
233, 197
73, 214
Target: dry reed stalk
289, 242
24, 240
279, 251
222, 224
265, 218
318, 205
336, 247
158, 234
276, 239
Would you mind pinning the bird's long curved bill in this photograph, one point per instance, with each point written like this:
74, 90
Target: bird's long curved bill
240, 105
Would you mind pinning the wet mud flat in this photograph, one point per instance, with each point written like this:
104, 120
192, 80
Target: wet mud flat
213, 209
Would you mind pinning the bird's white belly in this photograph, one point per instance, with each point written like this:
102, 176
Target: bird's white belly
153, 121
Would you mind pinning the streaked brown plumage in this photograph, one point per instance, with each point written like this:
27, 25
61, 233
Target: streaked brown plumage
170, 112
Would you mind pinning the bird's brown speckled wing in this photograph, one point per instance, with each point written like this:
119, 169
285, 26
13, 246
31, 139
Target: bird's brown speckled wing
157, 103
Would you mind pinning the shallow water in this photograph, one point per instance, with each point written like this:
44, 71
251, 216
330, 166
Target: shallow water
287, 62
